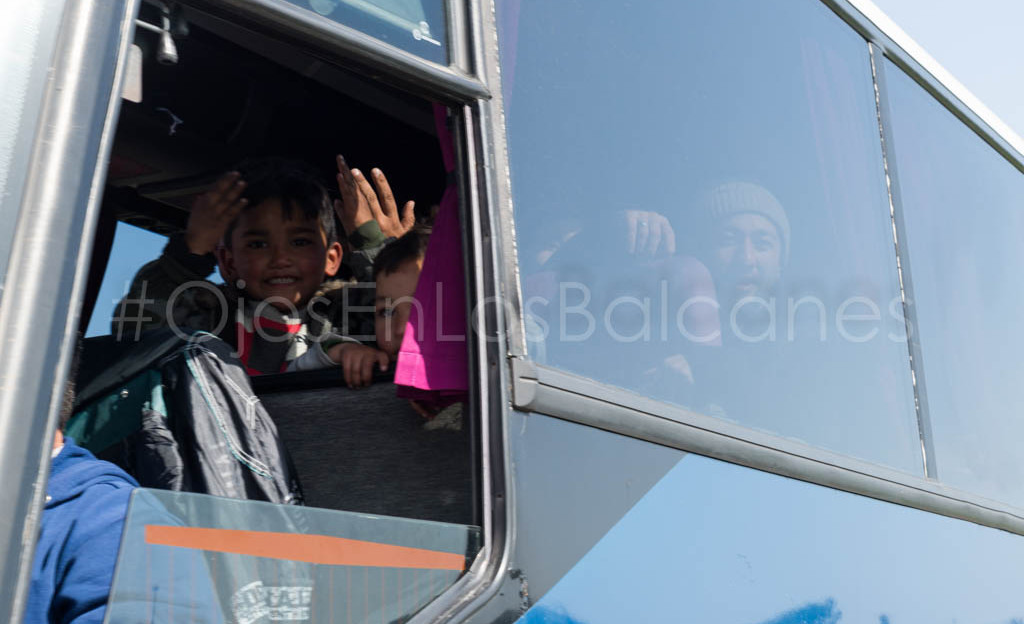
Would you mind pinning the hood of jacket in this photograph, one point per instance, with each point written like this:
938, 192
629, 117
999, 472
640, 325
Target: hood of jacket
75, 469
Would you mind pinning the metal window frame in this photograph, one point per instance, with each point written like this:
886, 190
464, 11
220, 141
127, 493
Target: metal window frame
578, 399
478, 594
489, 394
48, 266
875, 26
903, 263
347, 47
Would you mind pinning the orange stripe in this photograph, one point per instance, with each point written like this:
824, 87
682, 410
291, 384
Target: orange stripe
321, 549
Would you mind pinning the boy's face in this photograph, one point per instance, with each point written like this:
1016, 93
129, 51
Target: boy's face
395, 292
282, 261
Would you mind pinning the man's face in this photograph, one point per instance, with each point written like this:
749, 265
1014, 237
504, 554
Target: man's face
395, 292
281, 260
747, 256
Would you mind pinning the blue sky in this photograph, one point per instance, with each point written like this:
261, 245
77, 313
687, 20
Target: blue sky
978, 42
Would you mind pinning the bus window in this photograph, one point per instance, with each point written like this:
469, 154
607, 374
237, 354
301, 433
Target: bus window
392, 477
962, 207
702, 214
416, 26
133, 246
188, 557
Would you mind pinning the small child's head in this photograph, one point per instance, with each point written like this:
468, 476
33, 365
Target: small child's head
285, 242
396, 271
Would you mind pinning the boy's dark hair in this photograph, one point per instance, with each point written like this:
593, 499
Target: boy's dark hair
295, 184
67, 407
410, 247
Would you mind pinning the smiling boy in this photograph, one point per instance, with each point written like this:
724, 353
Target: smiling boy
279, 255
270, 229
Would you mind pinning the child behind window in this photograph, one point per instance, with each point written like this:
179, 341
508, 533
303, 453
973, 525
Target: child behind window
396, 271
270, 227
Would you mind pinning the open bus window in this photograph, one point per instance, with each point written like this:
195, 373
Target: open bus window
132, 247
371, 456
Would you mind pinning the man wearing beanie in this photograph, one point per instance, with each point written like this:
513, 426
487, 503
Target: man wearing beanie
748, 244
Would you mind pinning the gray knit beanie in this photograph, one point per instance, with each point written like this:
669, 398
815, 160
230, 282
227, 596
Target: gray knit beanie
732, 198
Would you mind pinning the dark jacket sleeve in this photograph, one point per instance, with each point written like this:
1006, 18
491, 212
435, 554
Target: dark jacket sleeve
172, 287
367, 241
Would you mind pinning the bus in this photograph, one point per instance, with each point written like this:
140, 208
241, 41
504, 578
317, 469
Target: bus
736, 282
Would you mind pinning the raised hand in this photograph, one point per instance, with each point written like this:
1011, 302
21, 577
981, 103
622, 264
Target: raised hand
213, 212
360, 202
650, 234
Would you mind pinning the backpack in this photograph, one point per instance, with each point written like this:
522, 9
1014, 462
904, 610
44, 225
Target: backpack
177, 412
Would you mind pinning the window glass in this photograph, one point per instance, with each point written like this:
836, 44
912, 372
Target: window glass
197, 558
702, 214
132, 248
964, 212
416, 26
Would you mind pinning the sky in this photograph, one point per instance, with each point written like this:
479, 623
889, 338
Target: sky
978, 42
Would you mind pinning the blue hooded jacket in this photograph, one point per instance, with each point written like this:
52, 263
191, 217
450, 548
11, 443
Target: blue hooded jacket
79, 538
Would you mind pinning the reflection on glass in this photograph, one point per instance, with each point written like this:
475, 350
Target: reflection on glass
27, 36
223, 560
716, 542
964, 214
702, 213
416, 26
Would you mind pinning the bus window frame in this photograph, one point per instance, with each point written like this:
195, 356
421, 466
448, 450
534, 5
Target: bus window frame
49, 257
337, 43
345, 46
557, 393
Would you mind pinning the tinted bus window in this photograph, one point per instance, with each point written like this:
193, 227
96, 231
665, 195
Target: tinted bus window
964, 207
702, 214
416, 26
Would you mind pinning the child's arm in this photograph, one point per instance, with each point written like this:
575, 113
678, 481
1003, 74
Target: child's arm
357, 362
370, 217
360, 203
186, 258
355, 359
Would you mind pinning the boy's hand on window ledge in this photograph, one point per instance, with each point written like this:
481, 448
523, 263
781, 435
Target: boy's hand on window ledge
213, 212
357, 362
360, 203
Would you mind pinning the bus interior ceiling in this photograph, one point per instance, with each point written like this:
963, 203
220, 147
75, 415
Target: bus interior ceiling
235, 94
